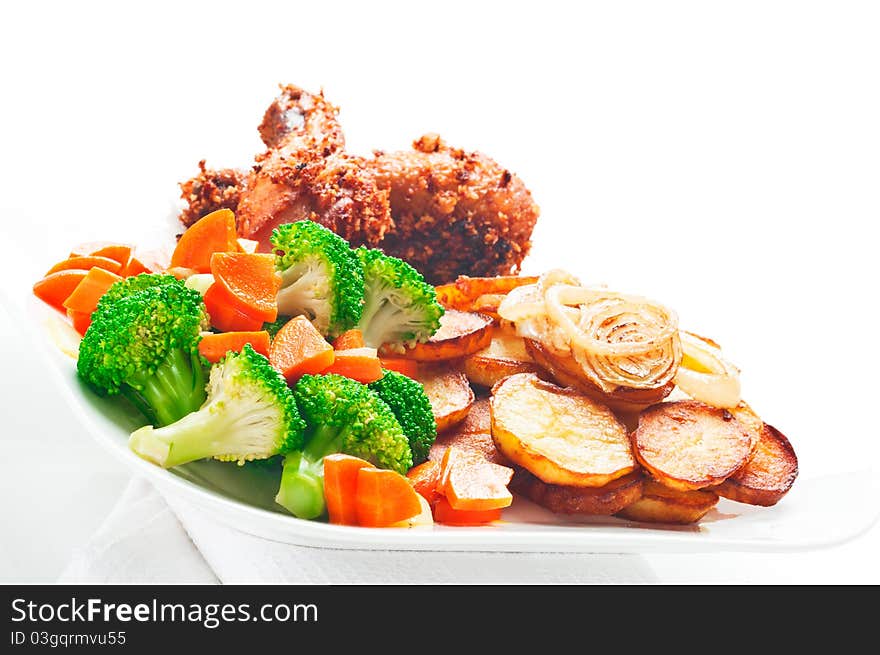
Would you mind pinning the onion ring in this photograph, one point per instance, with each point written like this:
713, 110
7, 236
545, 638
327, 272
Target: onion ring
617, 340
705, 375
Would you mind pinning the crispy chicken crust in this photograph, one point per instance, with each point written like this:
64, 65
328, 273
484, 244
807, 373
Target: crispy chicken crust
455, 212
211, 190
446, 211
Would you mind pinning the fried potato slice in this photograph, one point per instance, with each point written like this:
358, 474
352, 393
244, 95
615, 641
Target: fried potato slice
559, 435
565, 371
751, 422
479, 294
505, 355
460, 334
478, 420
767, 476
689, 445
564, 499
473, 433
450, 297
450, 394
661, 504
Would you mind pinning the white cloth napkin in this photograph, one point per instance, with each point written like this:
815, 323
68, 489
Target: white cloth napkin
141, 542
151, 539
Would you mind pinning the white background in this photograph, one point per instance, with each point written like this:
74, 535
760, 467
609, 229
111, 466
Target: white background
720, 157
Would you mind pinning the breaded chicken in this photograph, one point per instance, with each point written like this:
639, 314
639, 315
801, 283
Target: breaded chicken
446, 211
211, 190
306, 174
455, 212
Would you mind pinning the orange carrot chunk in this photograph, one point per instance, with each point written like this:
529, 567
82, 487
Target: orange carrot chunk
135, 267
448, 515
116, 251
89, 291
340, 487
214, 347
408, 367
55, 288
471, 482
214, 232
224, 313
250, 280
425, 479
349, 339
85, 263
361, 364
298, 348
87, 248
80, 320
384, 497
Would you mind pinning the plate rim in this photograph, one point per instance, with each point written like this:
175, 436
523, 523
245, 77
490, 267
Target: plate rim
281, 528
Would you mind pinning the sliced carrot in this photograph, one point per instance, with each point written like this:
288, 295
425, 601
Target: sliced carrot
135, 267
86, 262
425, 479
214, 347
250, 280
91, 247
55, 288
117, 251
348, 340
361, 364
214, 232
340, 487
384, 497
80, 320
448, 515
298, 348
225, 315
408, 367
89, 291
471, 482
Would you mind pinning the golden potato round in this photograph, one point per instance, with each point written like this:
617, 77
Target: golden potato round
559, 435
564, 499
689, 445
460, 334
450, 394
767, 476
661, 504
504, 356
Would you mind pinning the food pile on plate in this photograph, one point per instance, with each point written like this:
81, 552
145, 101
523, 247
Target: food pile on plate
298, 321
603, 406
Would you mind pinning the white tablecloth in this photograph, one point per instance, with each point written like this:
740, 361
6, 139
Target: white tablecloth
148, 539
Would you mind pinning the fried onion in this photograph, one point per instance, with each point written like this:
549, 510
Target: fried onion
617, 340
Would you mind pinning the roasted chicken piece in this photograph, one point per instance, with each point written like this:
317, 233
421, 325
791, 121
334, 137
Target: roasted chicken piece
455, 212
445, 211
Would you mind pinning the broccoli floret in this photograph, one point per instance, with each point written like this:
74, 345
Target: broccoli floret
400, 308
136, 283
250, 413
144, 345
321, 276
343, 416
409, 402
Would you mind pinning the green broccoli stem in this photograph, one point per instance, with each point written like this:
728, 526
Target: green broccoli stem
301, 491
175, 389
375, 322
199, 434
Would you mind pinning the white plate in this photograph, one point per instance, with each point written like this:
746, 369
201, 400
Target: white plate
818, 512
